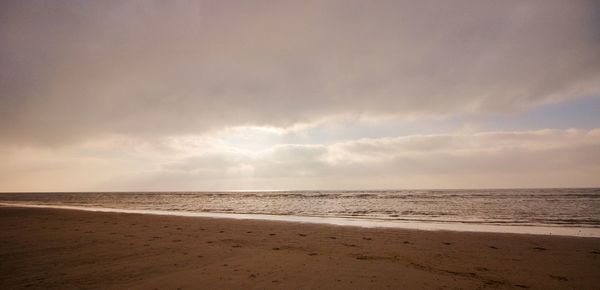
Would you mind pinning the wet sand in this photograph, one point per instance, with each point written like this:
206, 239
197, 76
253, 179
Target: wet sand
66, 249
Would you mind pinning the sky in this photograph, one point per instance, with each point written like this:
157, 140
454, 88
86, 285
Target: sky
298, 95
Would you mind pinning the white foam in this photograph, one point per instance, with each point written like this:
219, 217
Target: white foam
367, 223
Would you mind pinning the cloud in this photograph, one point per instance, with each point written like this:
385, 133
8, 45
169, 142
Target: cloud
489, 159
461, 160
71, 71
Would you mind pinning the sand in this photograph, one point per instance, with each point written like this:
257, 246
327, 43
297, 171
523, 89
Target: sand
66, 249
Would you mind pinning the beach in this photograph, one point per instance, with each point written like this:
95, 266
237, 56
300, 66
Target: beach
66, 249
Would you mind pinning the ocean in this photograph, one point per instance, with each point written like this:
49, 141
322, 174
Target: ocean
564, 211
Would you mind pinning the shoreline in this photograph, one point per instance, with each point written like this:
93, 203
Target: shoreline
43, 248
589, 232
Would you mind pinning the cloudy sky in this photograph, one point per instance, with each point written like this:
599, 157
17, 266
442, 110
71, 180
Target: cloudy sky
254, 95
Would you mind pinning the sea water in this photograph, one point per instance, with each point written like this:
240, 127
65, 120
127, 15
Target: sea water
565, 211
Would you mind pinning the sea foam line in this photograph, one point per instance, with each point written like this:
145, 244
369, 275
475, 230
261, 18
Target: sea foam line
366, 223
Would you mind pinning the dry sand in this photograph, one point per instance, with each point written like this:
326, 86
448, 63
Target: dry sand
67, 249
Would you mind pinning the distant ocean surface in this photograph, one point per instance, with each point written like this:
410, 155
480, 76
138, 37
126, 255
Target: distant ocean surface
561, 208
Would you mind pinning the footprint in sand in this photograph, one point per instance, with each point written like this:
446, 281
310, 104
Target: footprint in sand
559, 278
350, 245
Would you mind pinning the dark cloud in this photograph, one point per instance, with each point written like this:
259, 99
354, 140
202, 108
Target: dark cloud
79, 69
